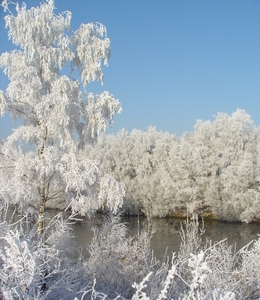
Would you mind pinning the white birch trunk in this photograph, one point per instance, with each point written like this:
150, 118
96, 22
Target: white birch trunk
41, 225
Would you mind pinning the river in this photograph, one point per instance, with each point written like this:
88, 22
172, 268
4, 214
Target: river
167, 231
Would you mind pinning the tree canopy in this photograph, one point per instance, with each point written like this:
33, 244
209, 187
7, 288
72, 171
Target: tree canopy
49, 72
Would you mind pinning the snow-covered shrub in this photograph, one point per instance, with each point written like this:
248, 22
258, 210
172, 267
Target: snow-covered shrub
122, 267
116, 259
22, 271
39, 267
248, 271
210, 271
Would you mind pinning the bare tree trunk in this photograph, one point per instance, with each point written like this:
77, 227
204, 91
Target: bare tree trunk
43, 199
41, 225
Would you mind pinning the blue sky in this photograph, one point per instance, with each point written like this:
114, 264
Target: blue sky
173, 61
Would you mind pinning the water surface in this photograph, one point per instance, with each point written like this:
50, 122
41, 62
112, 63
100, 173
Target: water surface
167, 231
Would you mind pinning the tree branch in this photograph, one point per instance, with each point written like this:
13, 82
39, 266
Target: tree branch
56, 193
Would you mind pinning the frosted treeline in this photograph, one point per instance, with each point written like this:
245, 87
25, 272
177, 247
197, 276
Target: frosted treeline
213, 171
49, 266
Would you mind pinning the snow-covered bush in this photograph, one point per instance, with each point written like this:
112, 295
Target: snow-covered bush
121, 266
38, 267
113, 251
213, 271
21, 266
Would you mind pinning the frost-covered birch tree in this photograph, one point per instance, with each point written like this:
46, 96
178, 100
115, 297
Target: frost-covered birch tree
49, 72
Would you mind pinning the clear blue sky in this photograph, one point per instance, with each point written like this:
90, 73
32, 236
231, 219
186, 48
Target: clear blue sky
173, 61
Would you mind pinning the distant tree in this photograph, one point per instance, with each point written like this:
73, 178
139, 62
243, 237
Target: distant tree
49, 72
141, 161
212, 171
228, 152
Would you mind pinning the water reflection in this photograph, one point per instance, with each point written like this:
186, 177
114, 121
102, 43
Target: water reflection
167, 232
237, 234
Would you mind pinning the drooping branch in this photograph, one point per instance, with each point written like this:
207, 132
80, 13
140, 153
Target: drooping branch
56, 193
